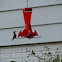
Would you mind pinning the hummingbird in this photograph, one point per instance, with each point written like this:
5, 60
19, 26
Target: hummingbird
14, 36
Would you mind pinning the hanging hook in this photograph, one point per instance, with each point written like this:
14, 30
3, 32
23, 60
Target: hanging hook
27, 3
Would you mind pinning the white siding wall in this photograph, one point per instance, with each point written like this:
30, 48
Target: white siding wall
17, 4
48, 33
12, 4
42, 15
19, 53
49, 17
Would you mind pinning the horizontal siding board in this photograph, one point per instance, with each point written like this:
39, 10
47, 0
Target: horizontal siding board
41, 15
49, 33
22, 56
45, 15
12, 4
17, 4
43, 2
6, 50
6, 56
11, 19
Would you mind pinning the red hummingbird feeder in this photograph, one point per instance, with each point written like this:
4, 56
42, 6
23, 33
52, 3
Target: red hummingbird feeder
27, 32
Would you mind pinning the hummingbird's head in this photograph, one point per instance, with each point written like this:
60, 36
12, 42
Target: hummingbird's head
14, 32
